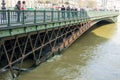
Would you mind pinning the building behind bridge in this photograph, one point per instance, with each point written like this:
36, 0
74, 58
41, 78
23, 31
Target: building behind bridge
47, 4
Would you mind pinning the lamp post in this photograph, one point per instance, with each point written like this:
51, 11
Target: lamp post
62, 2
3, 10
3, 5
104, 2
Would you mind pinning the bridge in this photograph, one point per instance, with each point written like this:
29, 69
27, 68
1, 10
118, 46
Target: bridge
36, 36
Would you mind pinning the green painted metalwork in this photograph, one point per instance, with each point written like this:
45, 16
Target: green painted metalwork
17, 31
41, 27
5, 33
49, 26
30, 28
44, 16
56, 24
39, 20
23, 21
52, 15
35, 16
8, 18
58, 15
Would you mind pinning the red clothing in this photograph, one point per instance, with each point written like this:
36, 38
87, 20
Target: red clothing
23, 7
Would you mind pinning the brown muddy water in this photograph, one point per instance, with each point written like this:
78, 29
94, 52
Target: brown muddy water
94, 56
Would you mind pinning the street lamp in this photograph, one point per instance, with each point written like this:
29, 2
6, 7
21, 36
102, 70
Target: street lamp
3, 10
3, 5
104, 2
62, 2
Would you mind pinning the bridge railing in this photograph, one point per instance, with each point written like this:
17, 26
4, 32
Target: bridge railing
13, 18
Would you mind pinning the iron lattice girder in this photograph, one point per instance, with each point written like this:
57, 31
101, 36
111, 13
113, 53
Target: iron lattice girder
37, 46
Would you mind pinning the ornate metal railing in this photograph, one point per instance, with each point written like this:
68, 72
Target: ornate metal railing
14, 18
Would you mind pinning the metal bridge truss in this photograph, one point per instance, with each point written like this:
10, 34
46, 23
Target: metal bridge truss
37, 47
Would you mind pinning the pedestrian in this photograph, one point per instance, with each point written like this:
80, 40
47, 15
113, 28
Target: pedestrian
68, 11
18, 8
76, 12
23, 7
63, 11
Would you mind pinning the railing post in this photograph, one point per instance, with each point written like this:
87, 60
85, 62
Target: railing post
64, 15
83, 14
44, 14
58, 15
23, 21
79, 15
69, 14
8, 11
52, 16
35, 16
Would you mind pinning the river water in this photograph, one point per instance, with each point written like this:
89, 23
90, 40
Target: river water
94, 56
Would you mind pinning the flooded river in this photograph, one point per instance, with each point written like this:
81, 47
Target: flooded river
94, 56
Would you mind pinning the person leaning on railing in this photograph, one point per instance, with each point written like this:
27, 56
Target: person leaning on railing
18, 8
23, 7
76, 12
63, 11
68, 11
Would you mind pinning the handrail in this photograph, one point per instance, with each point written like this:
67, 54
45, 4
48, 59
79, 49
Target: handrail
15, 18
